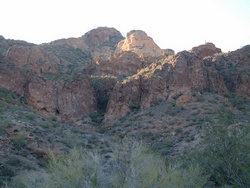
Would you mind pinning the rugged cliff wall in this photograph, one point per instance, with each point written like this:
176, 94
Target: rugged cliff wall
179, 75
133, 73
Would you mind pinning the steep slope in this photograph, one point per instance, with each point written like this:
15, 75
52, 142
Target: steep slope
46, 83
173, 127
27, 139
177, 76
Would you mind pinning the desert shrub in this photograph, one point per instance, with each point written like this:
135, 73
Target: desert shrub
140, 167
19, 141
30, 116
9, 96
71, 140
130, 164
238, 102
224, 152
96, 118
5, 124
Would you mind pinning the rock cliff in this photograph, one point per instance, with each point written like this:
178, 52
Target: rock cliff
39, 76
179, 75
34, 58
66, 100
128, 74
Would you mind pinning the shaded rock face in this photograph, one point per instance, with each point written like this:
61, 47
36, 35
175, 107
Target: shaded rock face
121, 64
168, 52
235, 69
34, 58
101, 42
6, 43
140, 43
205, 50
177, 77
12, 78
66, 100
101, 36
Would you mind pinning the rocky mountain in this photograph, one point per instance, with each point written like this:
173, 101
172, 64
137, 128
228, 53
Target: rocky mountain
110, 86
100, 42
201, 69
142, 73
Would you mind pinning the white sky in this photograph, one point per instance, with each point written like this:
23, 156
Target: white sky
176, 24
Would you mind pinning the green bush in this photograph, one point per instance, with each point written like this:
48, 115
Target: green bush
4, 125
226, 154
19, 141
30, 116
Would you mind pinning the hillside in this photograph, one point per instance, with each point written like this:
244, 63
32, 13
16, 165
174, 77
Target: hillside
102, 89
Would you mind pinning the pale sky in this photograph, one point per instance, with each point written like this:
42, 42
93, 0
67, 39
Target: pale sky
176, 24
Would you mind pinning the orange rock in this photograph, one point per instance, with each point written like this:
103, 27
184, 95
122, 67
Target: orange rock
138, 42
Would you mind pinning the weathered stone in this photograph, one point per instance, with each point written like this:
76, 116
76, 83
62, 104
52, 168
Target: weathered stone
66, 100
34, 58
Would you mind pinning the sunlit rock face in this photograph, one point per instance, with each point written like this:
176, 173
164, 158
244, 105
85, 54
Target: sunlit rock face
201, 70
140, 43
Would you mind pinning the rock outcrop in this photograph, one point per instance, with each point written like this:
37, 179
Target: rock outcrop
178, 76
235, 69
120, 65
40, 78
6, 43
34, 58
67, 100
100, 42
12, 78
205, 50
141, 73
139, 42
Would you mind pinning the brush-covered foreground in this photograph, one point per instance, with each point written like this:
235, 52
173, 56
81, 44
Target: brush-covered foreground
212, 151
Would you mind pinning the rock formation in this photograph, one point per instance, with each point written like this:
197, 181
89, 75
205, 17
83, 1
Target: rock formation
12, 78
34, 58
205, 50
180, 75
138, 73
139, 42
101, 42
120, 64
63, 96
67, 100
